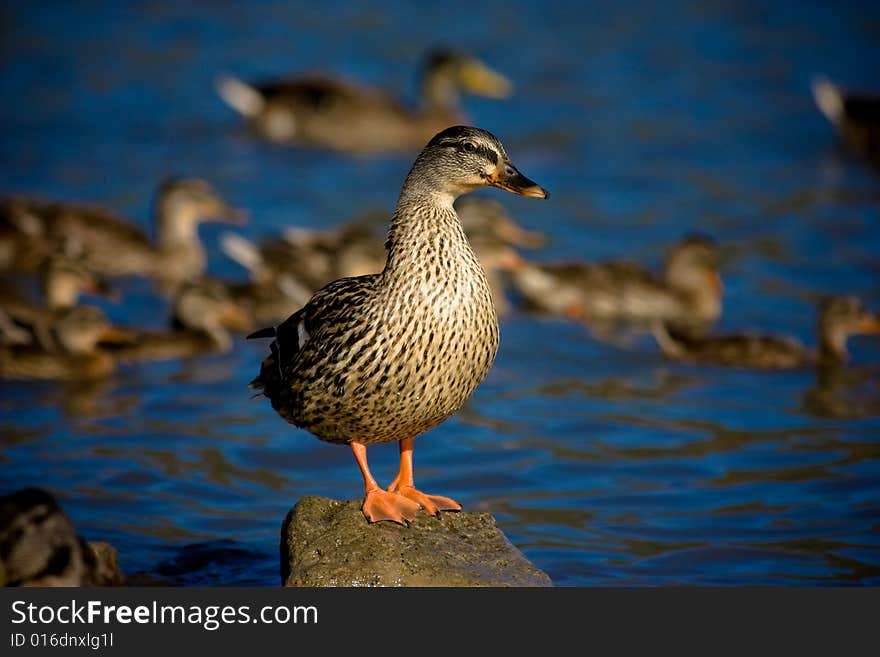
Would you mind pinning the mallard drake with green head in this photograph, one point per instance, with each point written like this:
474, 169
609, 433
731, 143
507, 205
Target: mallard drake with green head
74, 354
688, 293
855, 116
109, 245
387, 356
839, 318
328, 112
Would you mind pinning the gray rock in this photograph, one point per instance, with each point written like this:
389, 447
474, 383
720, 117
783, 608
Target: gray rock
326, 542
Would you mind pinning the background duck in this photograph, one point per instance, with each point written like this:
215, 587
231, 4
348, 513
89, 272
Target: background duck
839, 318
324, 111
62, 282
73, 355
109, 245
40, 547
688, 293
202, 314
387, 356
855, 116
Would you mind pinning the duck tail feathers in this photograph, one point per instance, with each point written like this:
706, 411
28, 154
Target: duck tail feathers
240, 96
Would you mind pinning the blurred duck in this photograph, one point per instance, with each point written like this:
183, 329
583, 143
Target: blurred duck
202, 316
856, 117
62, 282
39, 546
688, 294
73, 355
324, 111
109, 245
839, 318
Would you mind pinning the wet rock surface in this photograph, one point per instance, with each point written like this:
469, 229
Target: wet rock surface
327, 542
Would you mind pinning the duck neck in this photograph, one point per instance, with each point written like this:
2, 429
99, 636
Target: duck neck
425, 230
832, 346
177, 226
440, 93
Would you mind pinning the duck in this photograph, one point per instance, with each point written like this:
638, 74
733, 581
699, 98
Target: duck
109, 245
689, 292
40, 547
839, 318
387, 356
62, 283
74, 354
329, 112
855, 116
202, 315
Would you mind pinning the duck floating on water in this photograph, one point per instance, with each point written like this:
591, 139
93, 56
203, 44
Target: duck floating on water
202, 316
109, 245
855, 116
688, 294
74, 354
328, 112
839, 318
387, 356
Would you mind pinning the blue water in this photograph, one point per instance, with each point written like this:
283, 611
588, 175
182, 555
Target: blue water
604, 463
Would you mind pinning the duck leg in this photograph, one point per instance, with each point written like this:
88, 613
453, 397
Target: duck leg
380, 504
404, 485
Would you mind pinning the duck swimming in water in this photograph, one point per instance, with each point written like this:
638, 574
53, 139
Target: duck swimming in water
202, 316
839, 318
688, 294
323, 111
856, 117
74, 354
388, 356
108, 245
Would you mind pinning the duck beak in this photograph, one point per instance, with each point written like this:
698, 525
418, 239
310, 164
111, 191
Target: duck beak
507, 177
477, 78
233, 317
224, 213
869, 325
116, 335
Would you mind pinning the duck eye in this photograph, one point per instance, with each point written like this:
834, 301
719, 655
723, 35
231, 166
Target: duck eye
469, 147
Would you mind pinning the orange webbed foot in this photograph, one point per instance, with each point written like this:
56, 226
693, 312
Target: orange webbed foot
431, 504
384, 505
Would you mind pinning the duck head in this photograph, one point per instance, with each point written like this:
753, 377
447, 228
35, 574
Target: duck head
461, 159
839, 318
692, 268
447, 72
183, 203
63, 280
78, 330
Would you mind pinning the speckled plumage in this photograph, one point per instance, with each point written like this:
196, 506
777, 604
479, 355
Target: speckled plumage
388, 356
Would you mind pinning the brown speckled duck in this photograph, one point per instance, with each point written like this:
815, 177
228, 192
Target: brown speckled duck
839, 318
74, 354
109, 245
856, 117
322, 111
688, 294
202, 316
388, 356
62, 281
